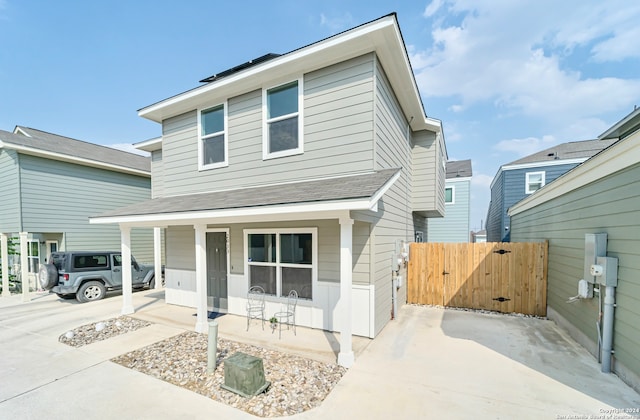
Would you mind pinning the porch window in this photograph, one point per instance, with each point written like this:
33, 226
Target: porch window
534, 181
281, 261
283, 121
33, 256
212, 146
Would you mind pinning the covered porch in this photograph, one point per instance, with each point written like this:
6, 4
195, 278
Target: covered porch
338, 199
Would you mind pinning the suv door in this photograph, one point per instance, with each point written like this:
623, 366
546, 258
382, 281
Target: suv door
116, 269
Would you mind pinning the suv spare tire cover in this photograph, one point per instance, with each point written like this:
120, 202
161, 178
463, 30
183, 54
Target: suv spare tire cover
48, 276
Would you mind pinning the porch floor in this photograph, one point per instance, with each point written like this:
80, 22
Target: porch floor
316, 344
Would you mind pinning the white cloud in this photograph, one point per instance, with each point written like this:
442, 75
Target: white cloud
490, 52
337, 23
526, 146
126, 147
481, 180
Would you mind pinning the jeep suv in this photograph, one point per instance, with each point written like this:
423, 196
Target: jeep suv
87, 275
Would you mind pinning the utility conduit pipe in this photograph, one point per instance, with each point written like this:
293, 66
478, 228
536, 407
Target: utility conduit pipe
607, 328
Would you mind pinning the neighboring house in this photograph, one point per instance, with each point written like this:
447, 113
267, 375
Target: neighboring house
602, 195
479, 236
521, 178
455, 225
51, 185
310, 170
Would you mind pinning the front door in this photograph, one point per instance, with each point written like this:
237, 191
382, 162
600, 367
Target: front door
217, 271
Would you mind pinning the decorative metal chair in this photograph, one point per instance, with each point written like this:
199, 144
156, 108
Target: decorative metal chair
287, 314
255, 304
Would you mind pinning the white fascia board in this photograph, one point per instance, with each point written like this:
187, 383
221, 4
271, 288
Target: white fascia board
73, 159
149, 145
459, 179
378, 195
318, 210
19, 130
381, 36
613, 159
544, 164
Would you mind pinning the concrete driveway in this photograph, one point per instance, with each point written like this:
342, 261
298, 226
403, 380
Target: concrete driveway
430, 363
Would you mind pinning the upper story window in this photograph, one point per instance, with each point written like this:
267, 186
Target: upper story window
282, 130
449, 195
212, 146
534, 181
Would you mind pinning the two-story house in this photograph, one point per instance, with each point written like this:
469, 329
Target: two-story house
50, 186
521, 178
455, 226
310, 170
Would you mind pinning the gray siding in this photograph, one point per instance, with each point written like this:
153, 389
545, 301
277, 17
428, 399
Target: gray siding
394, 217
424, 163
338, 133
59, 197
609, 205
454, 226
9, 192
494, 225
181, 245
157, 174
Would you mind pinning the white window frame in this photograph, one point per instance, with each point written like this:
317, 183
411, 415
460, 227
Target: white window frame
265, 122
33, 257
201, 165
278, 264
453, 195
527, 181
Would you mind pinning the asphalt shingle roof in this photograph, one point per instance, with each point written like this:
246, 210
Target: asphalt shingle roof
48, 142
331, 189
564, 151
458, 168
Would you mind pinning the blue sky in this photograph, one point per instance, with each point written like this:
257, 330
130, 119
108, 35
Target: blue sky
507, 78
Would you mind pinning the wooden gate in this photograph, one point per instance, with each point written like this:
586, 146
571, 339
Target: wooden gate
503, 277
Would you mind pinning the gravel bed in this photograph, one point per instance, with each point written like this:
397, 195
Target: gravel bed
101, 330
297, 384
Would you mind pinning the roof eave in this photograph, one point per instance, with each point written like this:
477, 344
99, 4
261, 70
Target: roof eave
381, 36
72, 159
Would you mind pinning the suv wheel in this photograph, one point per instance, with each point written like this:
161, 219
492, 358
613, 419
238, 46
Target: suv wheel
91, 290
48, 276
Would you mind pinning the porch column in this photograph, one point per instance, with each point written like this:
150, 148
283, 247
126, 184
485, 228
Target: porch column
345, 357
5, 264
24, 266
201, 278
127, 292
157, 257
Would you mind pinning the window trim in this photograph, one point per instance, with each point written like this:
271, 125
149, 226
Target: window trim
528, 175
225, 132
31, 257
265, 122
277, 231
453, 195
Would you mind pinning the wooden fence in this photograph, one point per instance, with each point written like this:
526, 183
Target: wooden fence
504, 277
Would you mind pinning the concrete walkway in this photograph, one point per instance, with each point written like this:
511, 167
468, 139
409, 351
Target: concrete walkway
430, 363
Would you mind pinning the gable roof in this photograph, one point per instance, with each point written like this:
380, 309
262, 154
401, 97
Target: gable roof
458, 169
52, 146
381, 36
355, 192
566, 151
624, 127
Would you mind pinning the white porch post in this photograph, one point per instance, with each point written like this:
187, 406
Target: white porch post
5, 264
201, 278
24, 266
157, 257
345, 357
127, 292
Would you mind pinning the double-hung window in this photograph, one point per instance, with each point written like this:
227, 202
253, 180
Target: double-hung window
33, 256
534, 181
282, 130
212, 146
282, 260
449, 195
